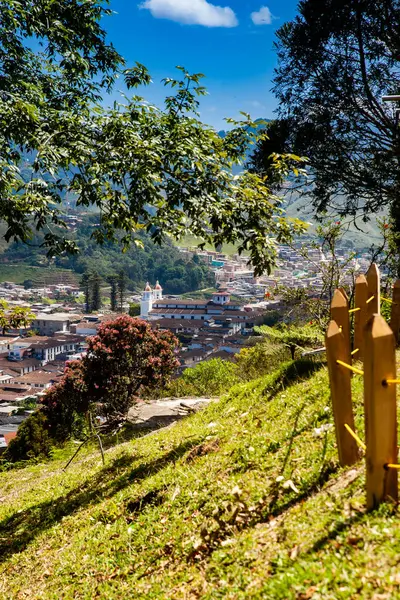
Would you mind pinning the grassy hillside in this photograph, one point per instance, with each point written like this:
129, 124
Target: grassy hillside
362, 236
242, 500
39, 276
189, 241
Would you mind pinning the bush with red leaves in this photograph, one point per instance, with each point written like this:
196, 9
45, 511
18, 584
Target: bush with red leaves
125, 357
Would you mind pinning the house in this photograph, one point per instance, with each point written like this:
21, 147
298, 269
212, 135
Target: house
50, 324
39, 379
6, 377
85, 328
192, 357
19, 367
48, 349
217, 311
5, 439
15, 393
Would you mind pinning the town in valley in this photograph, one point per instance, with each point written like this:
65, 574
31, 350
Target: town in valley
217, 324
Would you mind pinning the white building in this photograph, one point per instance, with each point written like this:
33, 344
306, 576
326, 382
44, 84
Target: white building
149, 297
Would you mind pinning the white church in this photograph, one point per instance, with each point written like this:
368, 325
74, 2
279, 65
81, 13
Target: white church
220, 306
149, 297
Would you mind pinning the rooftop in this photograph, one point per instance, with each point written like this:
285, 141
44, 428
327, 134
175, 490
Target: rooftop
61, 316
38, 376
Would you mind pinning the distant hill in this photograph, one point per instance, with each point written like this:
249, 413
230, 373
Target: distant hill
177, 273
361, 239
260, 125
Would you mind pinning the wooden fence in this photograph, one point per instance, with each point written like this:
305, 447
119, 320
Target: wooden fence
374, 343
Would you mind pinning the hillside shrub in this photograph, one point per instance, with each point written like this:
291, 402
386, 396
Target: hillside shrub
293, 337
33, 439
125, 356
261, 358
209, 378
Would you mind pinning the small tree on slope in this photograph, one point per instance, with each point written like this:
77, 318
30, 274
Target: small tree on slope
125, 356
293, 337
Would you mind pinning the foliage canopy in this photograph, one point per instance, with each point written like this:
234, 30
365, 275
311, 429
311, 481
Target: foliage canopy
336, 61
142, 167
294, 337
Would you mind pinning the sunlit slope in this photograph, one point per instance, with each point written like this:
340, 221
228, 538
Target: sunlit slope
242, 500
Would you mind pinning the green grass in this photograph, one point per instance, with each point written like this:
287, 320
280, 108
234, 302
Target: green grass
243, 500
39, 275
189, 241
361, 237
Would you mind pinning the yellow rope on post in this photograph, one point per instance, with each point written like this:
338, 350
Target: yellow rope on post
389, 381
355, 351
353, 310
355, 436
387, 300
354, 369
370, 299
392, 466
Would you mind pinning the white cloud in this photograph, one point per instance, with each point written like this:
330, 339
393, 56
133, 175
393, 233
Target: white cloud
262, 16
192, 12
256, 104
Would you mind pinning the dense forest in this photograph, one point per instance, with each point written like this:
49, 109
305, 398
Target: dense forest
176, 273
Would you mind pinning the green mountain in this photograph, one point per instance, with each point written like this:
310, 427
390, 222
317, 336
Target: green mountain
360, 237
177, 273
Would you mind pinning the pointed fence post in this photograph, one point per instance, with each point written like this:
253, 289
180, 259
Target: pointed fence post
395, 315
360, 316
380, 411
374, 291
339, 377
343, 291
340, 314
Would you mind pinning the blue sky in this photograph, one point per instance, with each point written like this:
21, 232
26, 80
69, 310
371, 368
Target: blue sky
230, 41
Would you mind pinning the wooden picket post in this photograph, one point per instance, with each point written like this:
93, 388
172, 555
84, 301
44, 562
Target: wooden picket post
360, 316
339, 377
374, 291
340, 314
395, 314
343, 291
380, 411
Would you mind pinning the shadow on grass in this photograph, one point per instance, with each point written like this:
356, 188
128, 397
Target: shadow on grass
19, 530
290, 373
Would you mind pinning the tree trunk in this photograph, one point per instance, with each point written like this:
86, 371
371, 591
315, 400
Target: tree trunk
395, 203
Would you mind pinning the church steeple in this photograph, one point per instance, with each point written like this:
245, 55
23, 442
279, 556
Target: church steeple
157, 294
146, 303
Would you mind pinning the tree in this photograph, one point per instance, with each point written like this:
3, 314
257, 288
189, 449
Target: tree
211, 377
124, 358
21, 317
113, 281
332, 270
261, 358
44, 95
15, 318
134, 310
208, 378
292, 337
85, 283
336, 61
144, 168
121, 289
95, 283
32, 441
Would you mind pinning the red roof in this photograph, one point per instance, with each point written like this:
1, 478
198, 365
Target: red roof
9, 436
